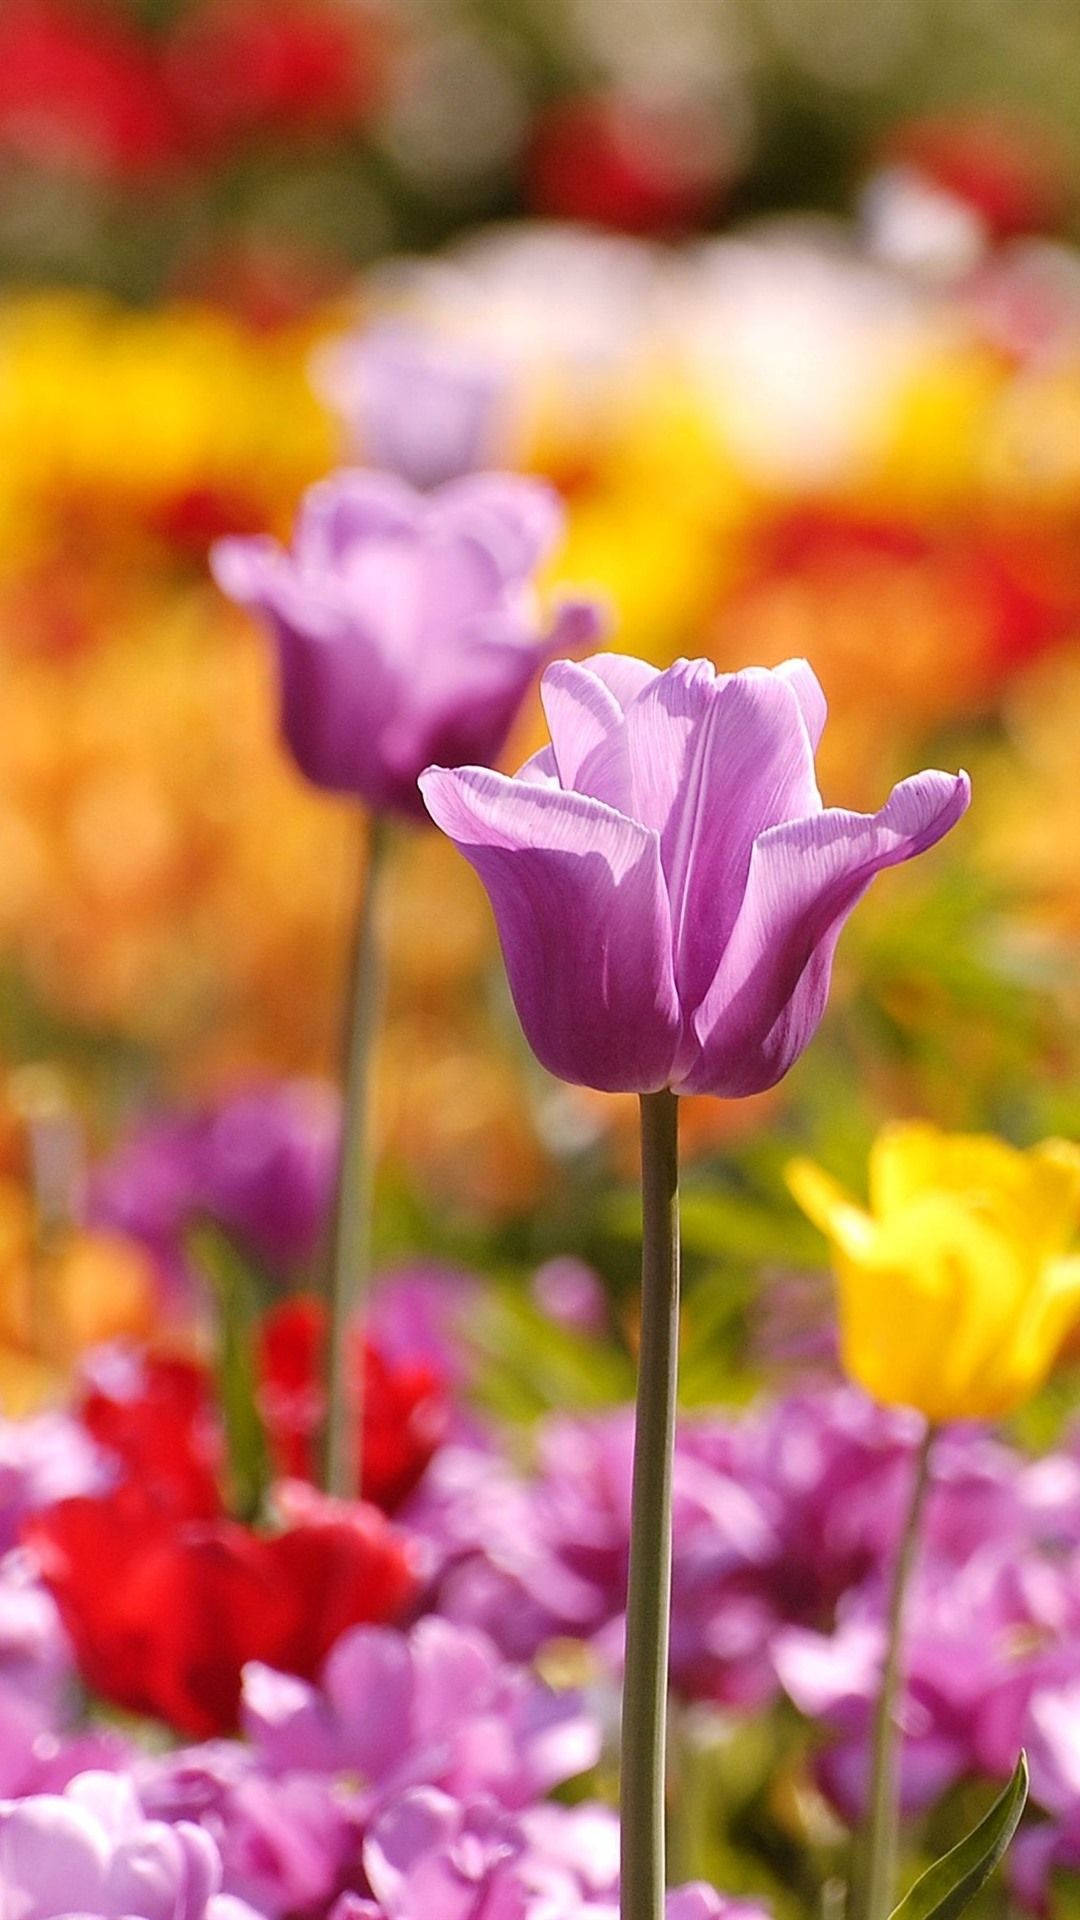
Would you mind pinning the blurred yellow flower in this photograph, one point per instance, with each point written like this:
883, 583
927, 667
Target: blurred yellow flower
956, 1289
58, 1299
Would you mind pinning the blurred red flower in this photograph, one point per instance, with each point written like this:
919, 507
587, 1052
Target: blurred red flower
237, 67
164, 1612
82, 90
405, 1406
605, 159
1014, 175
156, 1416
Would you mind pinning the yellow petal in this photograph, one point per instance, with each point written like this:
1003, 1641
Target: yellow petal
1049, 1316
929, 1319
912, 1158
824, 1201
1056, 1191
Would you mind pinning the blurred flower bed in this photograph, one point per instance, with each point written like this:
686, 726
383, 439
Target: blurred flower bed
847, 426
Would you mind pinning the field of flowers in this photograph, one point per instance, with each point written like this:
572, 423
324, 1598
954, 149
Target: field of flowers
539, 962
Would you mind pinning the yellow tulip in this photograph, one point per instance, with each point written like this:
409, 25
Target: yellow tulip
956, 1288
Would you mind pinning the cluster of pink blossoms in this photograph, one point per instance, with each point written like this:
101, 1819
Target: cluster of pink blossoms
412, 1776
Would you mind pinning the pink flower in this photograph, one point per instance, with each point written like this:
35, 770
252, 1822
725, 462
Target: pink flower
406, 624
90, 1851
436, 1705
669, 888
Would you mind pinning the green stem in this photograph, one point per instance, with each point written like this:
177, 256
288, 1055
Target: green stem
648, 1600
883, 1814
350, 1246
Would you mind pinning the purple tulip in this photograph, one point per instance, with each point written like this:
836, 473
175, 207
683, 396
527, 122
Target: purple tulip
407, 625
668, 887
419, 406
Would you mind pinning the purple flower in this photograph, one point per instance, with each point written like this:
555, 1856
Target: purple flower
265, 1168
260, 1163
436, 1705
91, 1852
286, 1845
407, 625
429, 1854
572, 1294
417, 406
668, 887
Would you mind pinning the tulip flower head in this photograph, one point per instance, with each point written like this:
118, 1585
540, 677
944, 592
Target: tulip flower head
956, 1288
407, 625
669, 888
417, 405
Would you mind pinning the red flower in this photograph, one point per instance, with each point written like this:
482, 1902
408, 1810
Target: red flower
156, 1415
606, 160
244, 65
405, 1409
164, 1613
1012, 174
80, 90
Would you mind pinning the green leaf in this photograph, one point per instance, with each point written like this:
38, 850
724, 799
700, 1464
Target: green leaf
945, 1888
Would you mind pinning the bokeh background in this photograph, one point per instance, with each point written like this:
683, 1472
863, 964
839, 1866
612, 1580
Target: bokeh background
784, 296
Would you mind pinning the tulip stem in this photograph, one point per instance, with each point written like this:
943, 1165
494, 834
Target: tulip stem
349, 1265
882, 1826
648, 1600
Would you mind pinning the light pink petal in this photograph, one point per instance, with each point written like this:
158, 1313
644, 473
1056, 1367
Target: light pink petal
406, 1847
583, 919
582, 715
623, 675
351, 506
369, 1684
286, 1719
455, 1673
807, 689
540, 770
164, 1873
55, 1853
713, 760
805, 877
517, 520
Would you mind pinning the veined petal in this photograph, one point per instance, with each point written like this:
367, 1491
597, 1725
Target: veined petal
713, 760
807, 689
581, 715
622, 674
540, 770
583, 918
770, 988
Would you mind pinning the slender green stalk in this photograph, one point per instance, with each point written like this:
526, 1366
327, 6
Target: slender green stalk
350, 1246
648, 1600
883, 1813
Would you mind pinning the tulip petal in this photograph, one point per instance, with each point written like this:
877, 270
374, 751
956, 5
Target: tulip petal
712, 761
581, 715
807, 689
540, 770
805, 876
623, 675
351, 506
517, 520
583, 919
